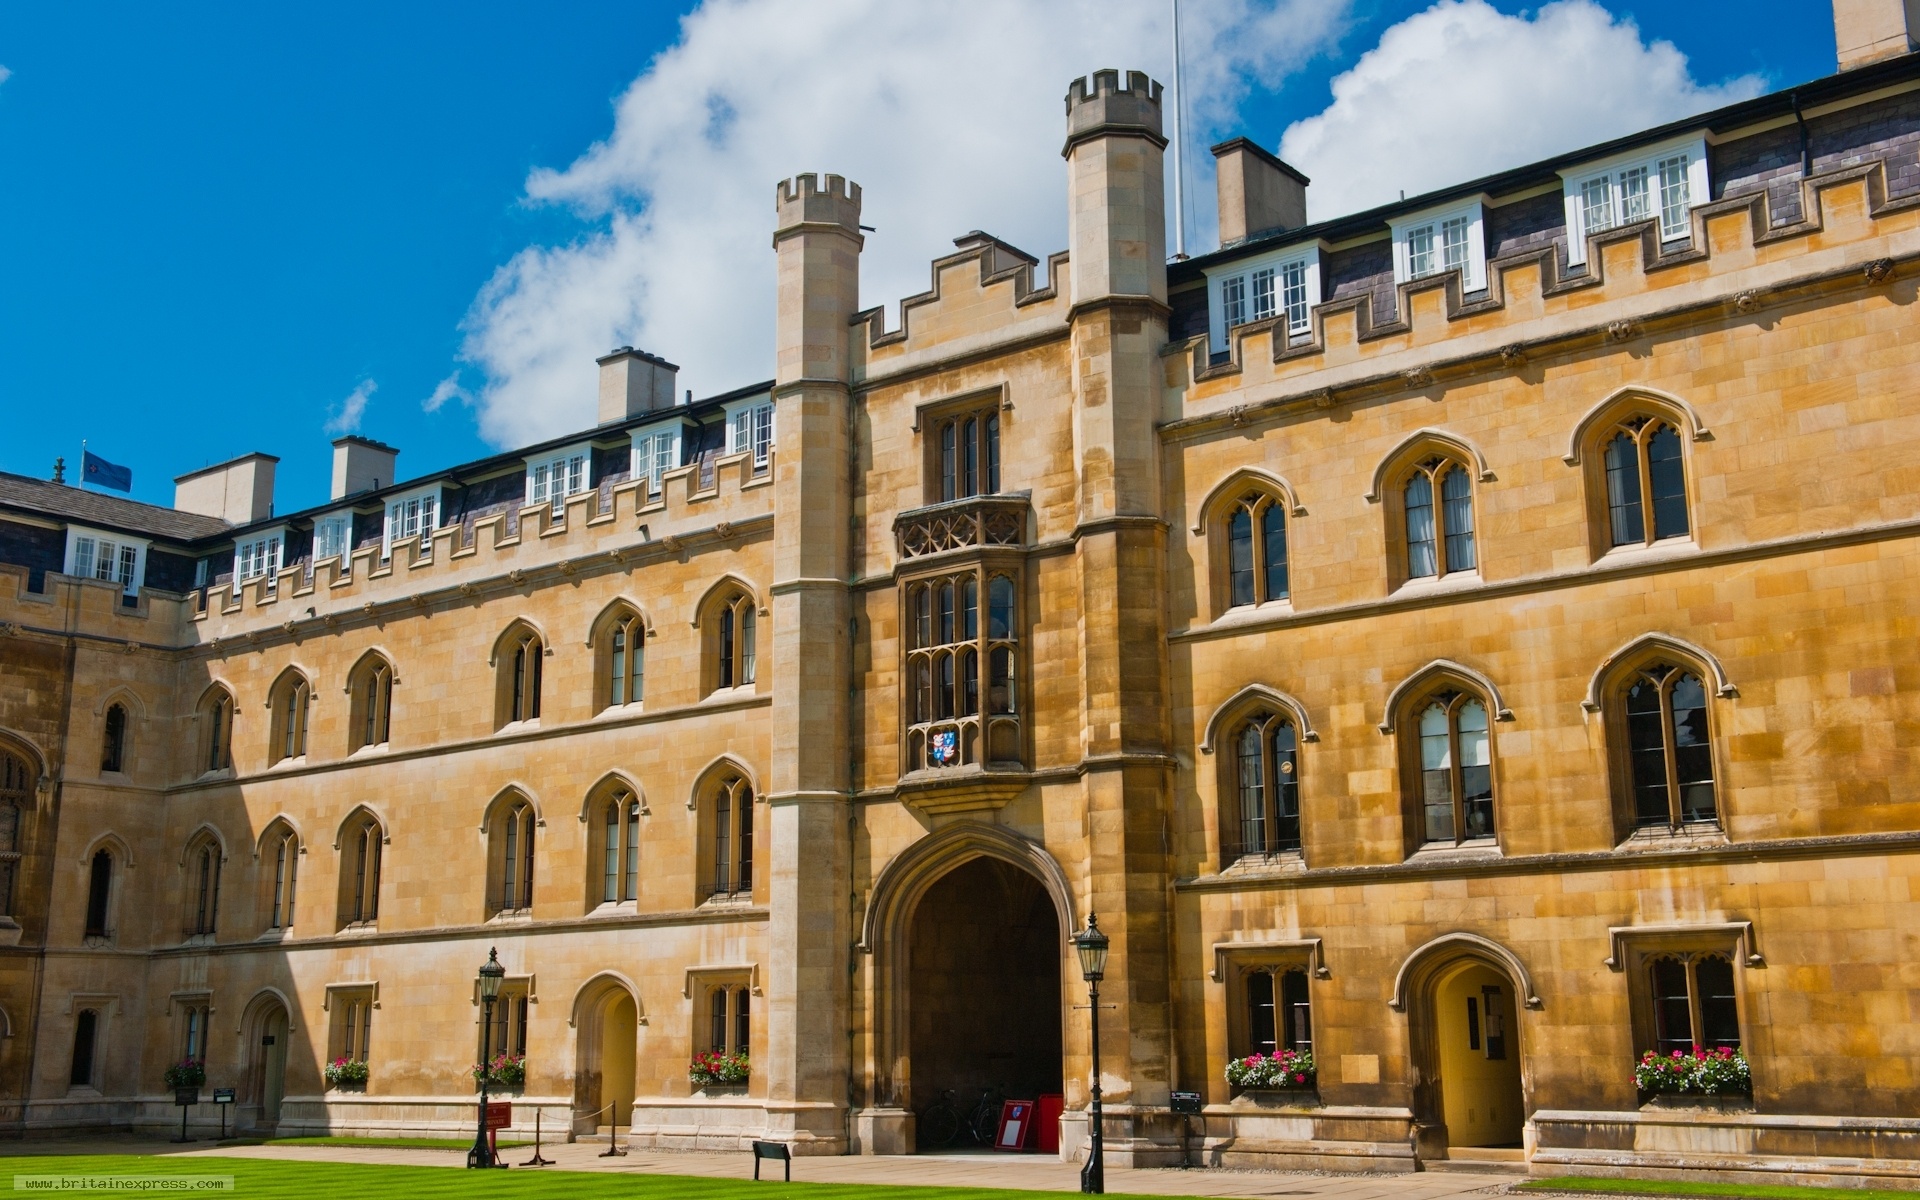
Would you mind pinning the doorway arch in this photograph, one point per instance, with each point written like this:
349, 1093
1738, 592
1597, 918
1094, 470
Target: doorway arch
1006, 900
1465, 997
606, 1020
266, 1029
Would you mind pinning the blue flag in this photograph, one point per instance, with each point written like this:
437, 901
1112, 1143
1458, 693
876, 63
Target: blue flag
97, 470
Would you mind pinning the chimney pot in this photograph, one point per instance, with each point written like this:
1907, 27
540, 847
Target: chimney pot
633, 382
1257, 192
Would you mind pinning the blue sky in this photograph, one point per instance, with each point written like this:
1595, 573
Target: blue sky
219, 221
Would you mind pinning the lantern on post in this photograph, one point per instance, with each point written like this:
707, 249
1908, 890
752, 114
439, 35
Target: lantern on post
1091, 945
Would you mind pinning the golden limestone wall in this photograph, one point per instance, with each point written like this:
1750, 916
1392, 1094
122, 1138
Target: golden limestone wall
1782, 357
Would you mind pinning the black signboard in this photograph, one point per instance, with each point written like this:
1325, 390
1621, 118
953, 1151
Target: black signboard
185, 1096
223, 1095
1186, 1102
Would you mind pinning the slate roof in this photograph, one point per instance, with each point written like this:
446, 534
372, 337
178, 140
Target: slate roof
44, 498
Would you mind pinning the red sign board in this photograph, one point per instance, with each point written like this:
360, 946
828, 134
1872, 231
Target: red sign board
499, 1116
1017, 1126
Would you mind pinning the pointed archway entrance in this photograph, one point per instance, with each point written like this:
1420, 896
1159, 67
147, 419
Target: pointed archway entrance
947, 920
984, 969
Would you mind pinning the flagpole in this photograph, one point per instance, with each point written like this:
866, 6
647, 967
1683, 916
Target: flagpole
1179, 157
83, 463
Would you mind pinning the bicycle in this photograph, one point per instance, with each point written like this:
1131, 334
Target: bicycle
984, 1121
939, 1123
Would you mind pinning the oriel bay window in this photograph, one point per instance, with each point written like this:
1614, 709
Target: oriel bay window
1646, 483
1669, 748
1265, 819
962, 668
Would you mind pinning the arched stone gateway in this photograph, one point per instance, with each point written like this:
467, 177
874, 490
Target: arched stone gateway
968, 931
1465, 997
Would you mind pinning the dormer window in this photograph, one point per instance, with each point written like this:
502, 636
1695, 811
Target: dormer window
655, 452
750, 427
255, 557
1660, 183
551, 480
1283, 283
333, 536
1440, 240
417, 515
109, 557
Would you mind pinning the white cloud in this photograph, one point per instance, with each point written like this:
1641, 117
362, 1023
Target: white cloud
1460, 91
5, 74
949, 116
346, 418
447, 389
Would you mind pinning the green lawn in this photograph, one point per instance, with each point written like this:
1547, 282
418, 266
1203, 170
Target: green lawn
1732, 1191
261, 1179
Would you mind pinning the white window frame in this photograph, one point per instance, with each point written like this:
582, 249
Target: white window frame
1244, 278
257, 555
1432, 222
342, 521
557, 474
750, 427
656, 450
424, 524
1612, 171
86, 562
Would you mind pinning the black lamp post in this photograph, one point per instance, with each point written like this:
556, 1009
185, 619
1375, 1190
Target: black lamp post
1091, 945
491, 973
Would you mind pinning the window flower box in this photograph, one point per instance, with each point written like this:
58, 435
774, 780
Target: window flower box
715, 1071
1682, 1080
1284, 1073
347, 1074
506, 1073
187, 1073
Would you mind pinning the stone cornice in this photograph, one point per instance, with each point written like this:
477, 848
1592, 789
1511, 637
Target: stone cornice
1770, 850
705, 915
1599, 572
699, 709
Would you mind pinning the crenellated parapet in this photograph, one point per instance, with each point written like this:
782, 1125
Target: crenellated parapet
618, 528
1736, 263
981, 296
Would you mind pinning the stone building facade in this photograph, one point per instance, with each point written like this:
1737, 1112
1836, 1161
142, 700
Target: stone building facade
1472, 641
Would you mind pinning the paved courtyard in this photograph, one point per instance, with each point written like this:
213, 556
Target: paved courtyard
978, 1169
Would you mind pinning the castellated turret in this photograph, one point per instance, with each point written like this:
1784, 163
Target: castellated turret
1102, 104
801, 200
